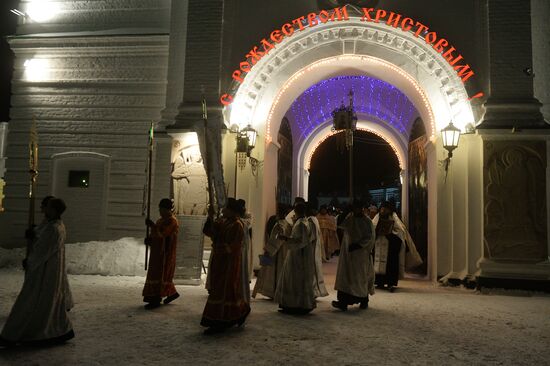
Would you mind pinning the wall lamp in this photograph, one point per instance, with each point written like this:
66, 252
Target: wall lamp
451, 136
246, 142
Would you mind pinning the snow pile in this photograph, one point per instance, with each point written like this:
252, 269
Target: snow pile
122, 257
10, 258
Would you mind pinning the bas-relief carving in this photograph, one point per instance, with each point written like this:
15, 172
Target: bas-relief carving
189, 180
515, 200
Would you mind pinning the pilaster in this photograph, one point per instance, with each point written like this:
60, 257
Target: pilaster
460, 235
176, 61
203, 56
511, 101
515, 135
540, 13
161, 170
515, 208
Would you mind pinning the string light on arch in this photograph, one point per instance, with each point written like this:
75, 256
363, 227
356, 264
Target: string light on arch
364, 59
314, 148
372, 97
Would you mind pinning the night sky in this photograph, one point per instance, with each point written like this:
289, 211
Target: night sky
375, 166
8, 22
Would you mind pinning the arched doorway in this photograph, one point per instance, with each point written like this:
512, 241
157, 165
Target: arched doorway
352, 49
376, 171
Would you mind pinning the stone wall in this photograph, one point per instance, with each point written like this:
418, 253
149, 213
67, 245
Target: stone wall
94, 83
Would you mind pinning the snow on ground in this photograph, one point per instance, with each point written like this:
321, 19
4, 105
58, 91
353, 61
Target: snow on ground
419, 324
122, 257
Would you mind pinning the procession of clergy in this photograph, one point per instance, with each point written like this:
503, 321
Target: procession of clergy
371, 253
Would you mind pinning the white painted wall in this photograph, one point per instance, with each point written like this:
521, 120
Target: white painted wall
97, 95
86, 207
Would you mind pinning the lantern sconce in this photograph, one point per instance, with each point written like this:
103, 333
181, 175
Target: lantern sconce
451, 136
251, 135
246, 142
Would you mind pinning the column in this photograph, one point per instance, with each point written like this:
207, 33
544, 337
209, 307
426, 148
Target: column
203, 56
514, 133
194, 73
511, 102
176, 61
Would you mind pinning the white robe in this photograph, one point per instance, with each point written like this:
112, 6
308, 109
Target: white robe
291, 217
69, 303
355, 274
247, 246
40, 311
406, 260
266, 284
246, 255
294, 287
319, 280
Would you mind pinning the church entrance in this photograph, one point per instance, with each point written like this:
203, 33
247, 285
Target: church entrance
376, 172
403, 100
387, 159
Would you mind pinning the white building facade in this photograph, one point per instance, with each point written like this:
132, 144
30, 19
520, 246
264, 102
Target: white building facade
95, 74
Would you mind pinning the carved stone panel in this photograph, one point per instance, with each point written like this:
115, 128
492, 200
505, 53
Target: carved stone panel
515, 226
189, 181
190, 250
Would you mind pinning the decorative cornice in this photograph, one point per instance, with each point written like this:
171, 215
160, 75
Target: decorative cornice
354, 30
136, 44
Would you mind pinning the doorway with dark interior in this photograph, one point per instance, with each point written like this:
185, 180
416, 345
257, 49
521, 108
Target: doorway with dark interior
376, 172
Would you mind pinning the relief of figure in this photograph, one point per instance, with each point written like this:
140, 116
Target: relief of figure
190, 182
515, 205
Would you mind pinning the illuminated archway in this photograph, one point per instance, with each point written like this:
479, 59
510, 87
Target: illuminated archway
353, 48
337, 49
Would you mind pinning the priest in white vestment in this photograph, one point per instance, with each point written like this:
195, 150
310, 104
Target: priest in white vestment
294, 292
274, 251
246, 253
40, 313
355, 274
315, 236
291, 216
394, 248
246, 218
329, 237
